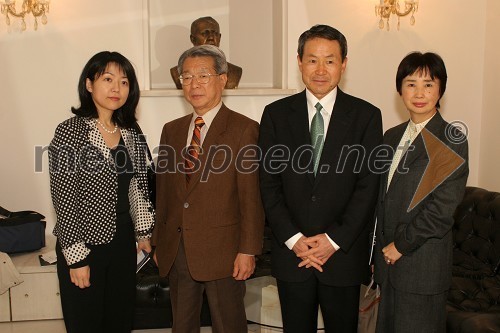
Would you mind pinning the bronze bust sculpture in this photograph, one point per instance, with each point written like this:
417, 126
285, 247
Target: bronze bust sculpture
205, 30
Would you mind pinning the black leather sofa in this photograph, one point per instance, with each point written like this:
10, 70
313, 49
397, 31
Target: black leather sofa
153, 308
474, 297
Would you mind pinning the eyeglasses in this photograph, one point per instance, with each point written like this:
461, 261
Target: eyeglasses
200, 78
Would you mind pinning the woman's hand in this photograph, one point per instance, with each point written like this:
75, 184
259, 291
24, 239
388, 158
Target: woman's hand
80, 276
144, 244
391, 254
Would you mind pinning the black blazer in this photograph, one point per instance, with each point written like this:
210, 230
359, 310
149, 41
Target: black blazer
339, 201
421, 228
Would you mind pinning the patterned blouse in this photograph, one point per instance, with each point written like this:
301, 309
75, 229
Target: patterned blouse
84, 183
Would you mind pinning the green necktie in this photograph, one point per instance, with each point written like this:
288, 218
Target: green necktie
317, 135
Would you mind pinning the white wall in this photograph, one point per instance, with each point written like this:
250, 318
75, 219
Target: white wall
170, 22
453, 29
489, 160
39, 73
38, 77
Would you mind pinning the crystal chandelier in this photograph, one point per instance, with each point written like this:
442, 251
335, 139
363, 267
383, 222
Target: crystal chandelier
388, 7
37, 8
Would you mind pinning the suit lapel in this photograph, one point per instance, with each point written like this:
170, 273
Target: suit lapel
435, 124
213, 137
392, 141
178, 142
414, 152
128, 138
97, 141
340, 123
298, 120
417, 150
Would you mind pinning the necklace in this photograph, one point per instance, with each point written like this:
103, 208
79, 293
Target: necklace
105, 129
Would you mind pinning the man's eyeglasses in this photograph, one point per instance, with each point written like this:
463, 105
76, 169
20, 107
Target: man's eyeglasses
200, 78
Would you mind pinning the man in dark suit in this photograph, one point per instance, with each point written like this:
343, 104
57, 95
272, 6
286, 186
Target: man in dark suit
318, 192
418, 196
210, 218
206, 31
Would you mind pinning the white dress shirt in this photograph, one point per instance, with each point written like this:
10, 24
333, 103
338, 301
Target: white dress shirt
208, 118
411, 132
327, 103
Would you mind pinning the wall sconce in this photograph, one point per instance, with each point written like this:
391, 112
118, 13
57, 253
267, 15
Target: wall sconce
35, 7
388, 7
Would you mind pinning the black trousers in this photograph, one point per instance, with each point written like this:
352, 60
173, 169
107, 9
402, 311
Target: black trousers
299, 306
108, 304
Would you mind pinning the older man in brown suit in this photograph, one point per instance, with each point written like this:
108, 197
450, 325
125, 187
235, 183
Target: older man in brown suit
210, 218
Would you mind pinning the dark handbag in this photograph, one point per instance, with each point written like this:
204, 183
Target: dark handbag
22, 231
151, 167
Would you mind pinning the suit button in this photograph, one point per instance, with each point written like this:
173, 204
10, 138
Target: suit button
186, 205
382, 232
179, 229
313, 198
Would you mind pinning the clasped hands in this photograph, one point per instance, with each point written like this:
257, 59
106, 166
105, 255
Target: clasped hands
314, 251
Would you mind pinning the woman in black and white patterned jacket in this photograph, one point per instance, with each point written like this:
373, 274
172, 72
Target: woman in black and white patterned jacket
98, 181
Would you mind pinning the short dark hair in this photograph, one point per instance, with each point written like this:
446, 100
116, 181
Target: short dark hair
423, 63
194, 25
95, 67
326, 32
205, 51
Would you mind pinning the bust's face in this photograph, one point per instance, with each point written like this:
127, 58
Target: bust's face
207, 32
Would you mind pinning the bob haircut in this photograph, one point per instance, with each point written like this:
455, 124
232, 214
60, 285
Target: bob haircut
205, 51
423, 63
326, 32
95, 67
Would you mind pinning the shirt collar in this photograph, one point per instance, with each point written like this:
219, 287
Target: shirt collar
420, 126
326, 102
209, 116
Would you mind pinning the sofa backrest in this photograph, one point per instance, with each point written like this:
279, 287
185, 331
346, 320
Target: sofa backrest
476, 234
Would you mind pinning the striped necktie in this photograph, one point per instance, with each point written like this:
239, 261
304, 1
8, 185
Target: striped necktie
194, 148
317, 135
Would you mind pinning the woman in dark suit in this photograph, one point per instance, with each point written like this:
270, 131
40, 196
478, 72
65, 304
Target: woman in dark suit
418, 196
99, 191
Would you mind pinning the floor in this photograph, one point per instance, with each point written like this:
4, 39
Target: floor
57, 326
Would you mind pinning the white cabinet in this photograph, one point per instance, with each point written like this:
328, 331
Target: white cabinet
4, 307
38, 296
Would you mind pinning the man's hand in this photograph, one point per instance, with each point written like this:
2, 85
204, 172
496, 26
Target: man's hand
244, 265
320, 250
391, 254
301, 249
80, 276
300, 246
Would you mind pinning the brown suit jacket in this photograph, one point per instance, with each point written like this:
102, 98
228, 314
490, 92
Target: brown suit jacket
220, 213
